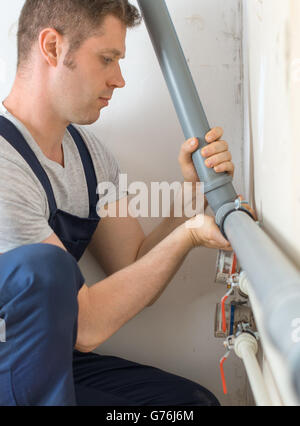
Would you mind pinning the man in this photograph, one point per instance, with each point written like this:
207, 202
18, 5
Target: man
68, 70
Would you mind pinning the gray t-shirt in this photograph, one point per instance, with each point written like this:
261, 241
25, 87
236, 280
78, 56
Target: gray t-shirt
24, 209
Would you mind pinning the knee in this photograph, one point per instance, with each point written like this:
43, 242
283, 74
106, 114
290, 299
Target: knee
54, 268
39, 286
44, 268
45, 258
175, 390
200, 396
189, 393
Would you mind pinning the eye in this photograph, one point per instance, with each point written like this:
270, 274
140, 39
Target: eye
107, 60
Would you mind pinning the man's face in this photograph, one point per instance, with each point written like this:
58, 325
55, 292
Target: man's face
83, 81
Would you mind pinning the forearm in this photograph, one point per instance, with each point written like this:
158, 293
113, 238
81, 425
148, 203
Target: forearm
111, 303
167, 226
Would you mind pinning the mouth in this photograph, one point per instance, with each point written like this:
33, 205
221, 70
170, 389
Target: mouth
105, 100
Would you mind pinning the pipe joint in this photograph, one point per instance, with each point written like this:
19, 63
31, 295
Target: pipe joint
225, 210
245, 342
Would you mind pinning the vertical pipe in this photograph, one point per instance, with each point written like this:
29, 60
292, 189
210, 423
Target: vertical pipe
246, 348
217, 186
281, 391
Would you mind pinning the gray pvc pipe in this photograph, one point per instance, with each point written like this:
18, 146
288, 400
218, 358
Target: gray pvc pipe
276, 283
274, 278
217, 186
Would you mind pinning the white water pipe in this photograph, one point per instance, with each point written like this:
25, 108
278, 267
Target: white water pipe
246, 348
275, 369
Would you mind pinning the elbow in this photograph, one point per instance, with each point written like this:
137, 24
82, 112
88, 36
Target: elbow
86, 343
90, 340
85, 347
151, 303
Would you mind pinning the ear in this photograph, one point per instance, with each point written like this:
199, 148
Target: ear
50, 44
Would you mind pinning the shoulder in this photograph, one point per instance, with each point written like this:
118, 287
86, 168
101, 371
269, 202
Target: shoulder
9, 153
11, 160
16, 174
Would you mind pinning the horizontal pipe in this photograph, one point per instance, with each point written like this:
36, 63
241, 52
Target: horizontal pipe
275, 282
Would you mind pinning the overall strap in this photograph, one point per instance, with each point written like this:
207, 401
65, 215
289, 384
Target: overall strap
10, 132
89, 169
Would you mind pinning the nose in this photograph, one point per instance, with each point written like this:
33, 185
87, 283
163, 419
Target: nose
117, 80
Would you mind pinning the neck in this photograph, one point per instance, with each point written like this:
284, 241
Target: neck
29, 103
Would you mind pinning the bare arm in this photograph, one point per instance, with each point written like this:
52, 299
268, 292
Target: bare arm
167, 226
107, 305
120, 241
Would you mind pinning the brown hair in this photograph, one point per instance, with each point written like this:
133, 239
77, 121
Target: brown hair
76, 19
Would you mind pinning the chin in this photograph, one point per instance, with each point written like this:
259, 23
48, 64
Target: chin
84, 121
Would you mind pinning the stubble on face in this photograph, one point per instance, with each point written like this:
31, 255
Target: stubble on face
80, 85
69, 60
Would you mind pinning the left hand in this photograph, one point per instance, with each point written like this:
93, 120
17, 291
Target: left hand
216, 154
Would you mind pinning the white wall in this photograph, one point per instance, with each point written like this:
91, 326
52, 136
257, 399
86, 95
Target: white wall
142, 130
272, 106
272, 84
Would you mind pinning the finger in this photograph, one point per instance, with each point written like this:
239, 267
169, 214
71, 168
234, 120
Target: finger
217, 159
248, 207
252, 211
214, 134
187, 149
226, 245
228, 248
215, 148
221, 244
228, 167
216, 237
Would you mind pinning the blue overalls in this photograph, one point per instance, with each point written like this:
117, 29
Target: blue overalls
39, 284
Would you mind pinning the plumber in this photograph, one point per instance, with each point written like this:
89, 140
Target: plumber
68, 70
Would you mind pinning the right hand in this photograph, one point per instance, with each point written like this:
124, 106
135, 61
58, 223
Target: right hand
206, 233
